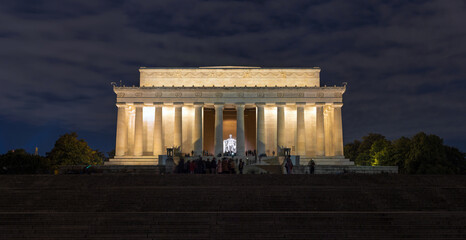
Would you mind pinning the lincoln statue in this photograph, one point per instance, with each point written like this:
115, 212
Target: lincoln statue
261, 110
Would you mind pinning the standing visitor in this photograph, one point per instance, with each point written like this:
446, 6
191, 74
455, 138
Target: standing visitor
232, 166
219, 167
225, 166
286, 167
241, 166
289, 166
213, 166
192, 166
312, 165
207, 166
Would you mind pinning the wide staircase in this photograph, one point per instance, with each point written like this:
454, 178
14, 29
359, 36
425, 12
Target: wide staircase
144, 206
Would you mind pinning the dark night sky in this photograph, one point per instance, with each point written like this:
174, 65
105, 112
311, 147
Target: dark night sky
404, 61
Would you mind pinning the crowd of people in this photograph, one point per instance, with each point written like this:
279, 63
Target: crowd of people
213, 166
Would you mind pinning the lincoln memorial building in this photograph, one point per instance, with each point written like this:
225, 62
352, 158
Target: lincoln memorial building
199, 110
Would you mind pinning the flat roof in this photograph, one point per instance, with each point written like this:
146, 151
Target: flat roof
229, 67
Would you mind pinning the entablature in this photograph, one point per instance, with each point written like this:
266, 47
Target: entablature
230, 94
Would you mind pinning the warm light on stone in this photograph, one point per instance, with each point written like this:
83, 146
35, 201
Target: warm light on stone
288, 105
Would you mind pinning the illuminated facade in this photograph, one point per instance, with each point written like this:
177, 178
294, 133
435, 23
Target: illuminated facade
196, 109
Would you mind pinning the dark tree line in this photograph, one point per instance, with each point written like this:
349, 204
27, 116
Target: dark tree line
68, 150
420, 154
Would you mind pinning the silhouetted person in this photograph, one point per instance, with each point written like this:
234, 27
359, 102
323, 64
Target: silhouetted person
311, 166
241, 166
207, 166
213, 166
289, 166
219, 167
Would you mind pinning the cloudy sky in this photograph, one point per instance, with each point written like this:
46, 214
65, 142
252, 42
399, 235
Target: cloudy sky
404, 61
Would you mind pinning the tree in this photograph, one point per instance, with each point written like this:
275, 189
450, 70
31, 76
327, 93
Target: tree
351, 150
18, 161
400, 150
380, 152
422, 154
427, 155
69, 150
368, 140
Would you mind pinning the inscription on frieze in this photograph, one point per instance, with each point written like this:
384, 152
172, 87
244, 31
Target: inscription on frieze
198, 94
159, 94
280, 94
178, 94
138, 94
219, 94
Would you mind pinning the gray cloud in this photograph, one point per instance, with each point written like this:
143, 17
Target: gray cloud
403, 60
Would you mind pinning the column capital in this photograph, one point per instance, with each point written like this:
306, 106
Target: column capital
178, 104
281, 104
149, 104
138, 104
300, 104
158, 104
320, 104
240, 105
338, 104
198, 104
121, 104
219, 105
261, 104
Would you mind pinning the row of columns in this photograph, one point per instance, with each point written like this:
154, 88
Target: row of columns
122, 129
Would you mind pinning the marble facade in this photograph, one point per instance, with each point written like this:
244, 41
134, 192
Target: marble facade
169, 109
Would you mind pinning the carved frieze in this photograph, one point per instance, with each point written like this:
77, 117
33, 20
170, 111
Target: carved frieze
233, 74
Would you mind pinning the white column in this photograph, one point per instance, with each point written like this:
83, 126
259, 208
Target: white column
197, 136
240, 141
122, 130
328, 126
280, 126
301, 148
138, 137
218, 144
158, 140
178, 126
338, 130
260, 142
320, 131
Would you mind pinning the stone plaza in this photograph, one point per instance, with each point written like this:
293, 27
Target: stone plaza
196, 110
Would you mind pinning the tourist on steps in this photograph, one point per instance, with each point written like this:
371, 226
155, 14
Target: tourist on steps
213, 166
312, 165
192, 166
241, 166
219, 167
